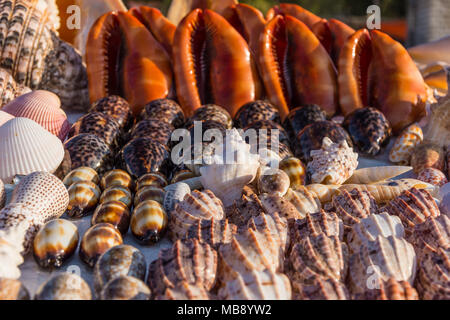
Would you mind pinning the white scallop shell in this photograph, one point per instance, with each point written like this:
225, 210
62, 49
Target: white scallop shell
5, 117
26, 147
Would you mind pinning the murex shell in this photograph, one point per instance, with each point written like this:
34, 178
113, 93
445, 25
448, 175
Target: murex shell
255, 111
117, 108
405, 143
9, 88
333, 163
64, 286
44, 108
26, 147
36, 57
100, 124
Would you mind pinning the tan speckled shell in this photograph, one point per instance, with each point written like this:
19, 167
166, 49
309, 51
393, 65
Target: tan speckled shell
243, 209
432, 234
185, 291
9, 88
320, 289
434, 274
432, 176
213, 232
295, 170
405, 143
389, 290
273, 181
352, 206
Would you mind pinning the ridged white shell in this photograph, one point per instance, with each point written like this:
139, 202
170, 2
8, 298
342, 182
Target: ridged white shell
26, 147
44, 107
5, 117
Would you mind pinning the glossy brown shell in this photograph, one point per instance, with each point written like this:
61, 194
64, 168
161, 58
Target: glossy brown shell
157, 130
117, 177
300, 117
151, 180
113, 212
166, 110
256, 111
117, 108
269, 126
102, 125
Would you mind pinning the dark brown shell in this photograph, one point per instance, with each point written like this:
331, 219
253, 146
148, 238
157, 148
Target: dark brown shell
117, 108
311, 138
149, 193
320, 288
88, 150
369, 130
113, 212
157, 130
166, 110
205, 125
389, 290
353, 206
99, 124
434, 273
432, 234
143, 155
125, 288
255, 111
211, 112
269, 126
180, 173
300, 117
213, 232
187, 260
13, 290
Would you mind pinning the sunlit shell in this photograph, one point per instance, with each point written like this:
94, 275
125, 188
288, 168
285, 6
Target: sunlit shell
164, 109
115, 107
434, 272
81, 174
83, 198
257, 285
352, 206
320, 288
125, 288
303, 200
405, 143
296, 171
2, 194
181, 173
5, 117
273, 226
432, 234
148, 222
64, 286
300, 117
195, 206
55, 242
389, 290
438, 130
13, 290
149, 193
151, 179
174, 194
427, 155
381, 259
43, 107
274, 181
117, 193
97, 240
213, 232
11, 247
9, 88
157, 130
117, 261
433, 176
185, 291
186, 261
255, 111
368, 229
211, 112
413, 207
113, 212
376, 174
26, 147
117, 177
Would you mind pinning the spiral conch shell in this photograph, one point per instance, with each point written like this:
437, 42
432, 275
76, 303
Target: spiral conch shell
230, 171
333, 163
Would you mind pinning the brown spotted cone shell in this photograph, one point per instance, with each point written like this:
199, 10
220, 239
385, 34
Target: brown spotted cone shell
432, 234
185, 291
211, 112
320, 288
213, 232
255, 111
427, 155
13, 290
125, 288
389, 290
117, 108
300, 117
434, 272
166, 110
64, 286
186, 261
157, 130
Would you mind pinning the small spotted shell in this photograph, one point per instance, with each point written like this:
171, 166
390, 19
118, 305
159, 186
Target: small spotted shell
81, 174
405, 143
64, 286
434, 272
432, 176
148, 222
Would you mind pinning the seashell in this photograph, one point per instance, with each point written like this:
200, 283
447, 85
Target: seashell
83, 198
444, 206
322, 192
115, 107
381, 193
273, 203
81, 174
369, 130
319, 255
427, 155
321, 289
157, 130
88, 150
295, 170
413, 207
434, 270
352, 206
211, 112
274, 181
99, 124
64, 286
270, 154
117, 177
151, 179
437, 130
432, 176
376, 174
257, 285
184, 291
165, 110
122, 260
11, 247
381, 259
300, 117
26, 147
115, 213
9, 88
256, 111
265, 131
125, 288
407, 183
195, 206
149, 193
11, 289
304, 201
181, 173
448, 161
273, 226
148, 222
368, 229
389, 290
333, 163
5, 117
54, 243
186, 261
2, 194
311, 138
97, 240
143, 155
65, 167
431, 235
213, 232
117, 193
248, 206
44, 108
174, 194
405, 143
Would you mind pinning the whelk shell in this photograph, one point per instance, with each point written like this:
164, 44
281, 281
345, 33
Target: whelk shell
83, 198
113, 212
64, 286
125, 288
81, 174
117, 177
117, 193
148, 222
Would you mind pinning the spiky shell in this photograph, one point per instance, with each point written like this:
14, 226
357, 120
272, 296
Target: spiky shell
303, 200
368, 229
273, 226
83, 198
434, 272
213, 232
427, 155
117, 108
295, 170
255, 111
81, 174
352, 206
125, 288
333, 163
432, 176
100, 124
9, 88
186, 261
166, 110
184, 291
381, 259
320, 289
389, 290
64, 286
432, 234
257, 285
376, 174
13, 290
413, 207
195, 207
405, 143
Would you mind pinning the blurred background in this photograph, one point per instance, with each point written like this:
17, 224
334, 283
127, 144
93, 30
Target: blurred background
411, 22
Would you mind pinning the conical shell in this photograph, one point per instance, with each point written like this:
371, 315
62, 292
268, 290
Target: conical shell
434, 274
432, 234
213, 232
184, 291
5, 117
195, 206
186, 261
381, 259
43, 107
257, 285
26, 147
320, 289
9, 88
376, 174
389, 290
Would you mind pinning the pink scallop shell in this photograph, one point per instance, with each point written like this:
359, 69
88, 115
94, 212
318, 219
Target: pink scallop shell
5, 117
43, 107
